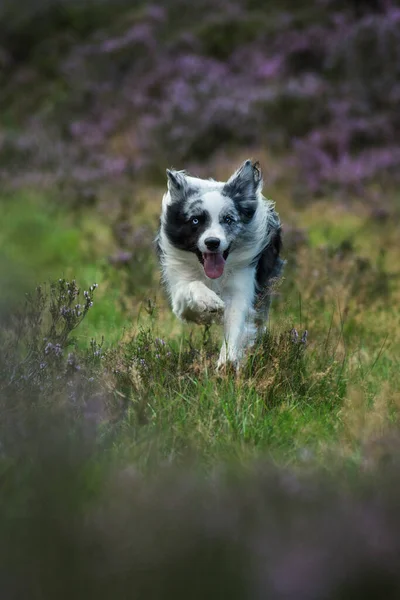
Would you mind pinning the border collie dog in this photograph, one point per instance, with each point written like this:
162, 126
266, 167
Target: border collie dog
219, 246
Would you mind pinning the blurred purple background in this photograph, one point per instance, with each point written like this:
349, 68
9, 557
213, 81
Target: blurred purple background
101, 89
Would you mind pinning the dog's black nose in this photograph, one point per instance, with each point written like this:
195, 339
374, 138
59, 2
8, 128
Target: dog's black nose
212, 243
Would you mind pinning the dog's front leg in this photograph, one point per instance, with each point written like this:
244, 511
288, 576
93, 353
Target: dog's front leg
239, 329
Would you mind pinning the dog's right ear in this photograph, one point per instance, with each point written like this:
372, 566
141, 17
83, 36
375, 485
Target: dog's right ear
177, 184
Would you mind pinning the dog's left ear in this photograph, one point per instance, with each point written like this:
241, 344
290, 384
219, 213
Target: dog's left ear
243, 186
177, 184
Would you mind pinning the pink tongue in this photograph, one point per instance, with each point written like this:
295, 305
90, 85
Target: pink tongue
214, 265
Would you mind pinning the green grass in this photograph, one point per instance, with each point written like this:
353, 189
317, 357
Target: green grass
290, 402
41, 241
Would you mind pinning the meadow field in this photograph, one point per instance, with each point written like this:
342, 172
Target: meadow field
129, 467
334, 391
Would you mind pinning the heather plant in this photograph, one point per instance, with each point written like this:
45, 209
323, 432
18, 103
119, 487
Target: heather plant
160, 395
133, 90
38, 350
115, 457
82, 516
277, 366
76, 525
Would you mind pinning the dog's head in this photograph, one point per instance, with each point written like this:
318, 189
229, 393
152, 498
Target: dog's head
208, 217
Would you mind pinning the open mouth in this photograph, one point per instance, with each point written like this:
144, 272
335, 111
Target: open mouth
213, 263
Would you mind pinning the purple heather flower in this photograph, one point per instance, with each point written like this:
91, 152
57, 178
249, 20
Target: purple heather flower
295, 335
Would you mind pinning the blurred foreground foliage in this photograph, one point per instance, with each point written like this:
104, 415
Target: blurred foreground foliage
93, 506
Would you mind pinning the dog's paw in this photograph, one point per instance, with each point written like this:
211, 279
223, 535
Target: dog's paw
203, 307
229, 362
207, 304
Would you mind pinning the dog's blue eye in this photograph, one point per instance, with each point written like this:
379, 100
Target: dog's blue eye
195, 221
228, 220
